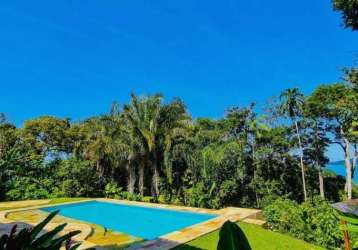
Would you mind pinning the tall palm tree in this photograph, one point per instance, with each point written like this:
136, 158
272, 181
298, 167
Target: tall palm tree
174, 129
292, 101
98, 142
125, 153
151, 125
141, 117
103, 143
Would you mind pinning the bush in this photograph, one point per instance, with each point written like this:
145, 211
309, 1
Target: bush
148, 199
78, 178
164, 199
313, 221
176, 201
112, 190
25, 189
129, 196
197, 196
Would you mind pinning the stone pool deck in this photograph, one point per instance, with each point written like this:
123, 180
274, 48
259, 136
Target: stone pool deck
168, 241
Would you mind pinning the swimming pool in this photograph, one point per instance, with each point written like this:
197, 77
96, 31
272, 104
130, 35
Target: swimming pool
144, 222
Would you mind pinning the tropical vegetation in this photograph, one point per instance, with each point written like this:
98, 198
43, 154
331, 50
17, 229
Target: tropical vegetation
152, 150
149, 147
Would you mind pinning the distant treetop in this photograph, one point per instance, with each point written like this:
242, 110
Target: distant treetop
349, 9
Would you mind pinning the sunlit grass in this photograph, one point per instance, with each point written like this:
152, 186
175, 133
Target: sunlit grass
7, 205
64, 200
259, 239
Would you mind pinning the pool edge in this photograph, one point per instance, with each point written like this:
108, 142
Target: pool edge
166, 241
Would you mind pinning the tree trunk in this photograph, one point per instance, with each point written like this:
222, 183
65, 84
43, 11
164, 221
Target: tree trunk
301, 162
132, 178
254, 169
141, 179
155, 178
319, 168
347, 160
354, 162
99, 168
321, 183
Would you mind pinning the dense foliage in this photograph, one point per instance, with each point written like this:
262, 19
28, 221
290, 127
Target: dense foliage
313, 221
349, 10
153, 150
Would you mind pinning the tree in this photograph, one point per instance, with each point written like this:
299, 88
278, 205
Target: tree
2, 118
351, 77
48, 135
291, 106
21, 167
142, 116
151, 126
103, 141
316, 143
77, 178
349, 10
332, 104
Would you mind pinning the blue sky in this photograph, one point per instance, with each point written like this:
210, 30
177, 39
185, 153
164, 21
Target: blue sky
73, 58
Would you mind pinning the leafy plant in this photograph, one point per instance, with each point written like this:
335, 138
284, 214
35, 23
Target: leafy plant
112, 190
313, 221
30, 238
129, 196
148, 199
232, 238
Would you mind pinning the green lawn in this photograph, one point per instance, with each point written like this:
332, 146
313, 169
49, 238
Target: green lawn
6, 205
259, 238
63, 200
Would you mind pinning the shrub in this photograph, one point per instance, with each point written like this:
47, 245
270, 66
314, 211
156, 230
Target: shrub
78, 178
24, 189
129, 196
164, 198
313, 221
112, 190
148, 199
197, 196
227, 193
176, 201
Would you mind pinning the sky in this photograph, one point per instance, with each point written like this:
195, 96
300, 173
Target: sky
74, 58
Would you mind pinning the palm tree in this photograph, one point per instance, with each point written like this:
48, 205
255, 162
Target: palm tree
103, 143
151, 126
142, 116
98, 142
292, 101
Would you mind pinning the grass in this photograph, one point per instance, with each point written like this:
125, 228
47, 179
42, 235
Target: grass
259, 239
64, 200
7, 205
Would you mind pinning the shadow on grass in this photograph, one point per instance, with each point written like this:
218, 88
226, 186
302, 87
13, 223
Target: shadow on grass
188, 247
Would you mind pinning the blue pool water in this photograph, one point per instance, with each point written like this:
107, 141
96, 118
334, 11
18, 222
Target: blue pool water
143, 222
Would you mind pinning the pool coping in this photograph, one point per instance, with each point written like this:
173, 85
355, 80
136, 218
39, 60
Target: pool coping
167, 241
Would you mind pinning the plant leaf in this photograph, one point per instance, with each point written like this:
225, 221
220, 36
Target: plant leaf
232, 238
